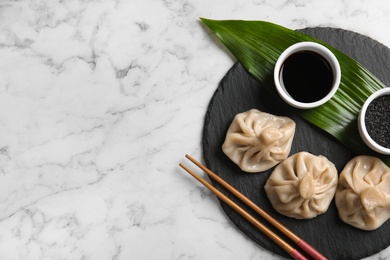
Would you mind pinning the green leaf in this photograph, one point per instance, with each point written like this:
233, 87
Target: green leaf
257, 46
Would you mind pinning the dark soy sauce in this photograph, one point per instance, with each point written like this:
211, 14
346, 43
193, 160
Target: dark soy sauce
307, 76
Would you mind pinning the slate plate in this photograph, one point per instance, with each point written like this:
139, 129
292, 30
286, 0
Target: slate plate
239, 92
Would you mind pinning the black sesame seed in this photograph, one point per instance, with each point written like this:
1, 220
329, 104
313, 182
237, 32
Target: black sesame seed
378, 120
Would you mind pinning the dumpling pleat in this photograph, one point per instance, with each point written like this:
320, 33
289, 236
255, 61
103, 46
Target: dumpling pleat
363, 193
302, 186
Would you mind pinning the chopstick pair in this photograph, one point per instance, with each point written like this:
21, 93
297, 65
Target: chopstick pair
269, 233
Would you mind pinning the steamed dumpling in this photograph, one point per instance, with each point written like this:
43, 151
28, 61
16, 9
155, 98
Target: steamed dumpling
257, 141
302, 186
363, 194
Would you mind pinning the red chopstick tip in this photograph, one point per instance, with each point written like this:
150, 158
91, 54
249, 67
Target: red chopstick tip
310, 250
298, 256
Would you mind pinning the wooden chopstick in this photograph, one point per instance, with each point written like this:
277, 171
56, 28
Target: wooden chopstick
289, 249
296, 239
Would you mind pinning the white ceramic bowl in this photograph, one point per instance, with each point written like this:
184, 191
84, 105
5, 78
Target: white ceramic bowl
306, 46
362, 123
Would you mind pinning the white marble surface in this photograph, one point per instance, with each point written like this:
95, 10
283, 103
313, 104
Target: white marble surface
99, 102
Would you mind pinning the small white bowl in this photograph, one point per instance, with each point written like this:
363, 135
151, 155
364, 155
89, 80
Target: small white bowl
306, 46
362, 123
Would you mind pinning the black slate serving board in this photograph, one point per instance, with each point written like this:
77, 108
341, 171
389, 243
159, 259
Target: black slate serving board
239, 92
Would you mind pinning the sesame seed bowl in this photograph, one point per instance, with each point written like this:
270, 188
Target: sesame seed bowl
374, 121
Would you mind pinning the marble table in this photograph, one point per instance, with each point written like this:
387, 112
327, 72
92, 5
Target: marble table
99, 102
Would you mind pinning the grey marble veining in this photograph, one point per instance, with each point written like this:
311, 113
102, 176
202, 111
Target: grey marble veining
99, 102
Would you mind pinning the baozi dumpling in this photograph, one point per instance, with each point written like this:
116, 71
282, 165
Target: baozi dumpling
302, 186
363, 194
256, 141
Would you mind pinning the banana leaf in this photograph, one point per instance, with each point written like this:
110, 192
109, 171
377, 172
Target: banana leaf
257, 46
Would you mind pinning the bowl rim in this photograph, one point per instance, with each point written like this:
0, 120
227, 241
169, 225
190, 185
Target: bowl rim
362, 123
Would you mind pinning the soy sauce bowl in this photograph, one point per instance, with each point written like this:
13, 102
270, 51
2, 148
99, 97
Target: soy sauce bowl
363, 120
283, 88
